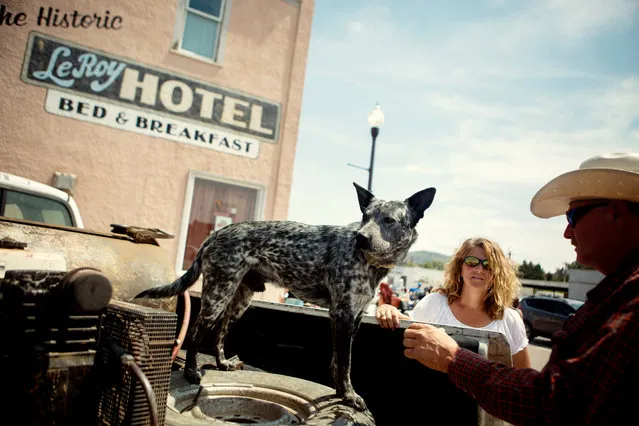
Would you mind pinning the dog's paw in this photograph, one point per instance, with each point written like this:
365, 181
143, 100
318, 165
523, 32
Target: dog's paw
226, 365
354, 400
193, 375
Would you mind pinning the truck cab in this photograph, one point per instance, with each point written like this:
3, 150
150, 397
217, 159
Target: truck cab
26, 199
29, 202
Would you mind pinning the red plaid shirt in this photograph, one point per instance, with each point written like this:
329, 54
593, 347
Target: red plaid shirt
592, 376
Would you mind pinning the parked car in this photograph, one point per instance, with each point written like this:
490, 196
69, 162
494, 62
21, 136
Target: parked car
26, 199
545, 315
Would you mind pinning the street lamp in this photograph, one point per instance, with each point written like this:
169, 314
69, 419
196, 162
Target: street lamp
375, 119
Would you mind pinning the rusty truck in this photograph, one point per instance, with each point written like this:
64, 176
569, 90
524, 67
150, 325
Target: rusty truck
77, 350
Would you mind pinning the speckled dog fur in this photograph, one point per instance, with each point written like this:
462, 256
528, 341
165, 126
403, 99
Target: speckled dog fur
337, 267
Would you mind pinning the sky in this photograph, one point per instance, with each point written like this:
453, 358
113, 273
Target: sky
485, 100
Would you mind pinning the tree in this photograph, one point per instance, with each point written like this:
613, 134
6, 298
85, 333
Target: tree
433, 264
560, 274
531, 271
576, 265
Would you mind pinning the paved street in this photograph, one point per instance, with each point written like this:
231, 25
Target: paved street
539, 350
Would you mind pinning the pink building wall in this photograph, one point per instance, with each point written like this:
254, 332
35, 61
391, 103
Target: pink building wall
134, 179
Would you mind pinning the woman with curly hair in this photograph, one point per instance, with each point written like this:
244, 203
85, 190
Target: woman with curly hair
479, 287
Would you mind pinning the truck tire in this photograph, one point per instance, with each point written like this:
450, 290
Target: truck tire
530, 334
257, 397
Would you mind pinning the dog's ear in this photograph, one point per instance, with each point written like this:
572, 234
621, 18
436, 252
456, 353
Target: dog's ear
364, 197
418, 203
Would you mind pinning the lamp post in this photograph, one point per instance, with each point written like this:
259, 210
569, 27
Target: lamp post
375, 119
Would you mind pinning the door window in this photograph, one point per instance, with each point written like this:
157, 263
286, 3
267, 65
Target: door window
531, 303
564, 309
545, 305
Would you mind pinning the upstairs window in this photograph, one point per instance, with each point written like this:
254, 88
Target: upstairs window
201, 27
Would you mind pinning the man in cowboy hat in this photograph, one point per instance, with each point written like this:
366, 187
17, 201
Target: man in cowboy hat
592, 376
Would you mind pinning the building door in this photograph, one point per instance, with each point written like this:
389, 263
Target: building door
213, 205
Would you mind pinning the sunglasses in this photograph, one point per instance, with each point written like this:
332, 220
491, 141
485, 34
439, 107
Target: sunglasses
576, 213
473, 261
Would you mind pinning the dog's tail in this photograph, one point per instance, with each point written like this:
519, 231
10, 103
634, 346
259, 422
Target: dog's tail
178, 286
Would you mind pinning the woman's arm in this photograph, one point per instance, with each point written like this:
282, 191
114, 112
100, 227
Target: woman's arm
522, 359
517, 338
388, 316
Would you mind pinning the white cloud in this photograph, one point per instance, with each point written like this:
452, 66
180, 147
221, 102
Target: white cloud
369, 43
355, 26
576, 18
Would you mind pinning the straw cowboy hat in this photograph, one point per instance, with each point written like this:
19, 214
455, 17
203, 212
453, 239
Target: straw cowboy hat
607, 176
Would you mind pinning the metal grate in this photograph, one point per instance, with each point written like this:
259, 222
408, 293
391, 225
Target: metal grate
148, 335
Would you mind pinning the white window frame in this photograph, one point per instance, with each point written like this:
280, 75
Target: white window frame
188, 199
180, 23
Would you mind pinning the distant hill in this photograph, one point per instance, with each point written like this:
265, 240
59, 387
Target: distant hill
421, 256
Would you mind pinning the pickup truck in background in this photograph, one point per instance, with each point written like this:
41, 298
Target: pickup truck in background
26, 199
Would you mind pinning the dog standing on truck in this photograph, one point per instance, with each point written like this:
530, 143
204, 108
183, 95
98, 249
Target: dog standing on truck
336, 267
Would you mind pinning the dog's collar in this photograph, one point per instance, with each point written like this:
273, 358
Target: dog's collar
375, 263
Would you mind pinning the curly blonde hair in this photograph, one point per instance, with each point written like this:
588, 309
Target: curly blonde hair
504, 286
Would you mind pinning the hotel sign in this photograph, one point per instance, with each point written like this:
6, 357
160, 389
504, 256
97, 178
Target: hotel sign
70, 68
149, 124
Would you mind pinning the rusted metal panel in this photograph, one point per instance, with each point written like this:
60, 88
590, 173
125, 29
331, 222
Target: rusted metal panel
131, 267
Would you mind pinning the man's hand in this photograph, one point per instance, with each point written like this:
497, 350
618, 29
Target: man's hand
430, 346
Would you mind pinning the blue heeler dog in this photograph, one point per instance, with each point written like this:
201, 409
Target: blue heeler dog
337, 267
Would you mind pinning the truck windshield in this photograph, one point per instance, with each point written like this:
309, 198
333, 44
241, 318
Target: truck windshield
19, 205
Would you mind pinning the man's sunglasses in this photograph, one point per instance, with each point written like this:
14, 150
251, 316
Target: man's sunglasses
576, 213
473, 261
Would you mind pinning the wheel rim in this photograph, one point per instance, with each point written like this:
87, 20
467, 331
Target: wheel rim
240, 403
528, 330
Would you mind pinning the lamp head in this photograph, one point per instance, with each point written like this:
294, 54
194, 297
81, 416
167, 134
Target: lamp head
376, 117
